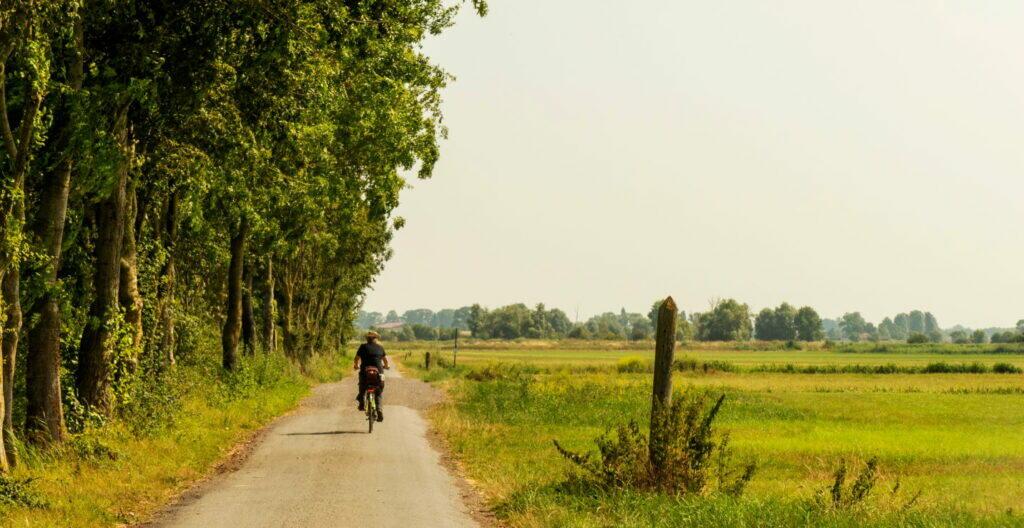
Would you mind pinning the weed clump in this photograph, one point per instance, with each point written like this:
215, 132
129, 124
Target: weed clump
20, 492
695, 460
843, 496
88, 447
633, 365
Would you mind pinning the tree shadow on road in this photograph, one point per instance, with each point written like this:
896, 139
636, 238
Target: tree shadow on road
316, 433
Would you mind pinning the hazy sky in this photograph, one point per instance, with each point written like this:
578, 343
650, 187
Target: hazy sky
847, 155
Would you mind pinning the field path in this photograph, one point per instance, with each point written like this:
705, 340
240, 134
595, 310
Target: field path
318, 467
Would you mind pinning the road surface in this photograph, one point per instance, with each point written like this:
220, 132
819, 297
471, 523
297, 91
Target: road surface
319, 468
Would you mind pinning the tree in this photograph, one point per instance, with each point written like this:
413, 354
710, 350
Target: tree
606, 326
916, 322
979, 337
558, 322
959, 336
901, 326
777, 324
853, 325
419, 316
170, 150
474, 319
641, 329
727, 321
808, 324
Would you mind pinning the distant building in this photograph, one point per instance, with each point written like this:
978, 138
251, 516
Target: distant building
390, 326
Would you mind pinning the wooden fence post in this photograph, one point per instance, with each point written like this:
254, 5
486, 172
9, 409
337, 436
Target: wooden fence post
455, 351
664, 350
426, 360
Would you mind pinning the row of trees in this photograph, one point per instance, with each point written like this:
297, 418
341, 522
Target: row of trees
725, 320
172, 166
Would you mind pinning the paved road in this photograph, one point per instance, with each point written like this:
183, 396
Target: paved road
319, 468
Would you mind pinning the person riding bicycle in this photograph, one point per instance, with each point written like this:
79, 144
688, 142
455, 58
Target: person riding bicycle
371, 354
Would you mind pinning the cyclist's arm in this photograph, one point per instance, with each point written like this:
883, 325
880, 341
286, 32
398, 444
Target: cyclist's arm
355, 365
385, 360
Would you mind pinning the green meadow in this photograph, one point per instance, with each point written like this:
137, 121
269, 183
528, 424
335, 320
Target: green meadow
950, 444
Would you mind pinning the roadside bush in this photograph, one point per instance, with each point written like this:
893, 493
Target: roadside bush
690, 452
634, 365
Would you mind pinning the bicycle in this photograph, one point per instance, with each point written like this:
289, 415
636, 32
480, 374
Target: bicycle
372, 380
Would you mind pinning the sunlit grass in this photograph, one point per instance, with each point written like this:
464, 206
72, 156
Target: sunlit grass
957, 438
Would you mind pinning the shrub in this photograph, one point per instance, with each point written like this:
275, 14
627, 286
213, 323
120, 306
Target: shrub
693, 365
962, 368
689, 451
1006, 368
633, 365
917, 338
19, 492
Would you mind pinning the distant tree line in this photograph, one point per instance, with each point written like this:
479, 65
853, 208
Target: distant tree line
725, 320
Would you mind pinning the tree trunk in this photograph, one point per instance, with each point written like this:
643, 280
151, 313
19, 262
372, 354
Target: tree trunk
286, 319
128, 293
233, 320
269, 335
96, 356
248, 318
11, 333
166, 288
44, 415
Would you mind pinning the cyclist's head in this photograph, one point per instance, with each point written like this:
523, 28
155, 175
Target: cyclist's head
372, 336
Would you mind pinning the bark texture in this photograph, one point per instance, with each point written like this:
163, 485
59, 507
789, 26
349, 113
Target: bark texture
269, 315
167, 283
96, 354
233, 320
44, 414
248, 318
11, 333
129, 297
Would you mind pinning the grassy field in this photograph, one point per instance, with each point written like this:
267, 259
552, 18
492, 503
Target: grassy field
121, 473
956, 438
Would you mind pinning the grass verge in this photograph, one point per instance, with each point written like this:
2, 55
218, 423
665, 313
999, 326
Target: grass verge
124, 470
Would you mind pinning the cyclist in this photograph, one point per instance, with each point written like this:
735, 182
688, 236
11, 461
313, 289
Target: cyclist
371, 354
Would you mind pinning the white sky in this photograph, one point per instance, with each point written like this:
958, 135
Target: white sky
847, 155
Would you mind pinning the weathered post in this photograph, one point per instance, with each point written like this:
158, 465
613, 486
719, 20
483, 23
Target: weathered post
455, 350
426, 360
664, 350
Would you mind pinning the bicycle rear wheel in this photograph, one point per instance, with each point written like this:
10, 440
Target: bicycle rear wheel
371, 409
